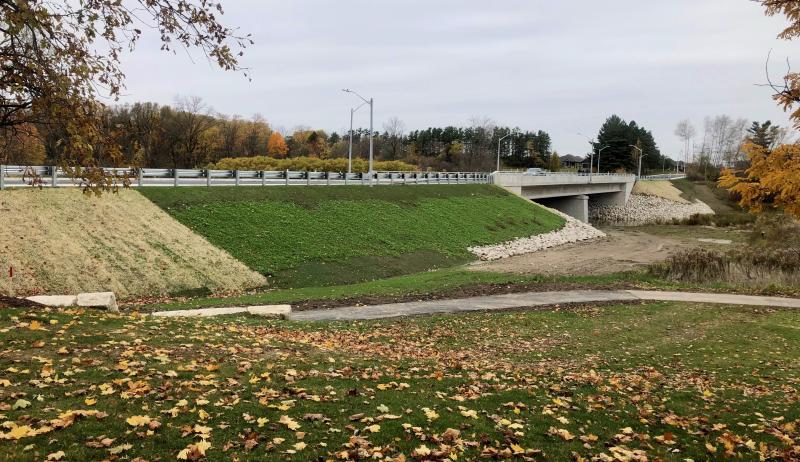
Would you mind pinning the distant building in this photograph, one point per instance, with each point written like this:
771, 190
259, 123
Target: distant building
570, 161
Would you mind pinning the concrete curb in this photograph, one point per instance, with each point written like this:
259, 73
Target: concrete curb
105, 300
269, 311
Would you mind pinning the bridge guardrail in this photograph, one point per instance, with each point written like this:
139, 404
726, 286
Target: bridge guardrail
52, 176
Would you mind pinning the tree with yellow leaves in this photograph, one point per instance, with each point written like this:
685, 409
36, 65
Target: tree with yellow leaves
773, 178
771, 181
276, 146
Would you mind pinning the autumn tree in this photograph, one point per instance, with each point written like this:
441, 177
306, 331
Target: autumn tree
61, 57
276, 146
21, 146
771, 181
555, 162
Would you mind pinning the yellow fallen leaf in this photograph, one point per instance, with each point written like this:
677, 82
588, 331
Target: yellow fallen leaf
90, 401
471, 413
421, 451
430, 413
56, 455
374, 428
20, 432
300, 446
289, 422
138, 420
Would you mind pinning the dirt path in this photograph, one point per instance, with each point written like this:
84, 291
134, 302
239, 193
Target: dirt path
622, 250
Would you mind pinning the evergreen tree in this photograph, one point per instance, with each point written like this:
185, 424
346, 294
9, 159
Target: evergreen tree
619, 136
763, 134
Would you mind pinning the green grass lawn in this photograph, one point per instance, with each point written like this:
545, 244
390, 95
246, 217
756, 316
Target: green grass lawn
316, 236
657, 381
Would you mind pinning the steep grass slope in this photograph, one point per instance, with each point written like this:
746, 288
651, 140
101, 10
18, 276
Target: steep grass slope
60, 241
312, 236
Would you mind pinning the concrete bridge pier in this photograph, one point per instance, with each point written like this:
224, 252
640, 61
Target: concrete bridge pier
575, 206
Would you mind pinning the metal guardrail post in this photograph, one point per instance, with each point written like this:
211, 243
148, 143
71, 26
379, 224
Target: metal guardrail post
263, 178
53, 176
175, 176
2, 177
140, 176
345, 179
328, 178
236, 177
286, 176
208, 177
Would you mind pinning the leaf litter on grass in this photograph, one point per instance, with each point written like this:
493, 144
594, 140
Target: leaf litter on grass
611, 383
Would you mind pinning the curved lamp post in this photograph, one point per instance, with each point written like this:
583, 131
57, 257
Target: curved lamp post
371, 144
641, 154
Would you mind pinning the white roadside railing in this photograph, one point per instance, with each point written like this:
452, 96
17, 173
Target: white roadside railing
51, 176
664, 176
524, 173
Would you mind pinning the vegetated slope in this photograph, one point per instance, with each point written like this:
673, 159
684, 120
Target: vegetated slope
708, 192
61, 241
312, 236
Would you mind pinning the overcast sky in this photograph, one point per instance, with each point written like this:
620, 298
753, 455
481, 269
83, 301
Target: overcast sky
562, 67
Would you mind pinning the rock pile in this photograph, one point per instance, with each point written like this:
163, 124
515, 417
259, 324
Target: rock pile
644, 209
573, 231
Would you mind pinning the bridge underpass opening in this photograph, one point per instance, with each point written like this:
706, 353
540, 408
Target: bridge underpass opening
575, 206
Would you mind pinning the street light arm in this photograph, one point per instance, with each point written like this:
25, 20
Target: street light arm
347, 90
359, 107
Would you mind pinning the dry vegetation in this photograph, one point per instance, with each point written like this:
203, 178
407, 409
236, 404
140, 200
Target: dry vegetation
664, 189
60, 241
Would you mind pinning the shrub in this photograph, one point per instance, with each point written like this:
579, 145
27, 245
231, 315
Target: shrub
308, 164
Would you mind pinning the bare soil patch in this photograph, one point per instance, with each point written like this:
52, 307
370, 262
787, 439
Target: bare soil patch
620, 251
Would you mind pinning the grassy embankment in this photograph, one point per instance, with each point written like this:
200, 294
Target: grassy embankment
60, 241
657, 381
318, 236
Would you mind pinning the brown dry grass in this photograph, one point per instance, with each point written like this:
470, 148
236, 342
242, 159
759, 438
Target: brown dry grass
60, 241
659, 188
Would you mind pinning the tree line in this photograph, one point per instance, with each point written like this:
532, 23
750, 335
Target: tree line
189, 134
723, 142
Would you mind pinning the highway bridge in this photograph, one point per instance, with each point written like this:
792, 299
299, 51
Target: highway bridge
568, 192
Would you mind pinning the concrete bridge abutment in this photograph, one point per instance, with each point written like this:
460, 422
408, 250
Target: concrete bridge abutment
575, 206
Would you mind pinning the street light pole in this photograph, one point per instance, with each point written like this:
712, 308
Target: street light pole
598, 156
371, 103
591, 155
641, 154
350, 149
499, 143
